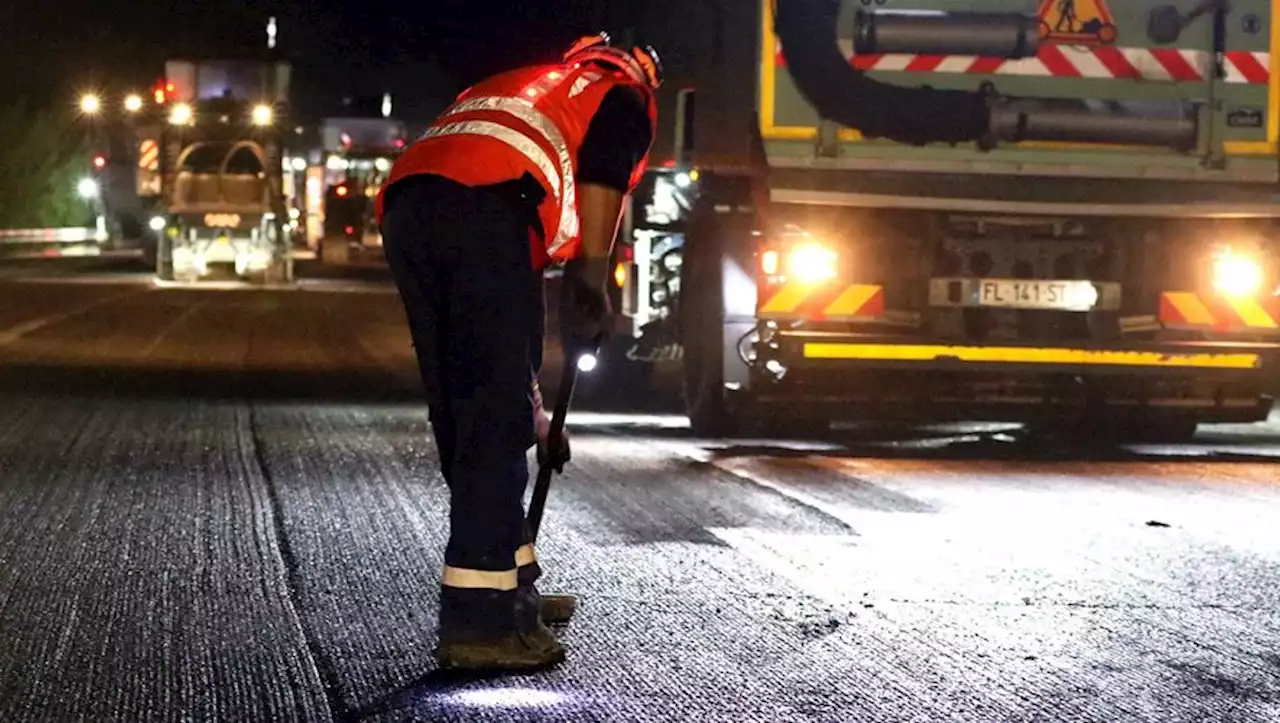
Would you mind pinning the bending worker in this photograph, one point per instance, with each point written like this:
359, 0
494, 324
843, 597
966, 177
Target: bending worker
527, 168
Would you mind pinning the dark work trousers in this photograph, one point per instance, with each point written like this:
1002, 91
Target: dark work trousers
461, 259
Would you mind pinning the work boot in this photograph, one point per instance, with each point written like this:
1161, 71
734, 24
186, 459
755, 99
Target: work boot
557, 609
493, 630
552, 609
530, 650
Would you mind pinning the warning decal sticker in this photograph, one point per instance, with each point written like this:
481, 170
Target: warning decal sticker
1076, 22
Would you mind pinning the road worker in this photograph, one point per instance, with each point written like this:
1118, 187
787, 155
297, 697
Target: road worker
526, 169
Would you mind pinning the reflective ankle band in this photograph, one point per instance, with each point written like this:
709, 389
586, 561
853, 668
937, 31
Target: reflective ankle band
480, 579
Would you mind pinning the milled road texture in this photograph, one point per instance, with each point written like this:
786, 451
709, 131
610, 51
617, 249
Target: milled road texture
222, 506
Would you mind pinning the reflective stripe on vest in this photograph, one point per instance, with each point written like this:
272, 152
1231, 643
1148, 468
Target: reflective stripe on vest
511, 137
564, 188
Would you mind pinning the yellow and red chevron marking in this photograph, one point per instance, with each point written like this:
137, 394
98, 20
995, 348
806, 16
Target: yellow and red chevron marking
1189, 310
149, 156
796, 300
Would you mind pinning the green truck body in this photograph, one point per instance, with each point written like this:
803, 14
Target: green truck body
1049, 212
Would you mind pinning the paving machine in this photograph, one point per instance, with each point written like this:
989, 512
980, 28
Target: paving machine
213, 161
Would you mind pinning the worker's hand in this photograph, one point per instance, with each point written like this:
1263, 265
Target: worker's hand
587, 315
557, 457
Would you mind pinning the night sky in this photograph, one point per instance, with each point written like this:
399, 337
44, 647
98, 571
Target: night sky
422, 52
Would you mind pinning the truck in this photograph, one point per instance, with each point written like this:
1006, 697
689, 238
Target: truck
211, 159
359, 152
1058, 213
121, 211
647, 265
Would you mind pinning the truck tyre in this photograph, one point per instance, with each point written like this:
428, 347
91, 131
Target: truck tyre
701, 321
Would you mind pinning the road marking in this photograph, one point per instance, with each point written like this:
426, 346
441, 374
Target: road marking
12, 334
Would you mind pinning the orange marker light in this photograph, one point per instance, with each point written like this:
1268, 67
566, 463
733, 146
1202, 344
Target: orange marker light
769, 263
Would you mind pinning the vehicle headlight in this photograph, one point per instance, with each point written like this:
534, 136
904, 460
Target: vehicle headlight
811, 263
1081, 296
1236, 275
672, 260
181, 115
87, 188
263, 115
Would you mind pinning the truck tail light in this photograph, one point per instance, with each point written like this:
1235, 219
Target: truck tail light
806, 263
1237, 274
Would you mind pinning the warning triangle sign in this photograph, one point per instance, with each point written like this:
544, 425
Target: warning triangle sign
1075, 22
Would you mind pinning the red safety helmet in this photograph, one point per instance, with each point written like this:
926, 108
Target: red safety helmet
641, 63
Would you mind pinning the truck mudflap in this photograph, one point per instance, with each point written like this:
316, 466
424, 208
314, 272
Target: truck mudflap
886, 377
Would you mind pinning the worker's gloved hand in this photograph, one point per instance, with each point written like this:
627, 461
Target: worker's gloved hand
557, 457
542, 427
586, 314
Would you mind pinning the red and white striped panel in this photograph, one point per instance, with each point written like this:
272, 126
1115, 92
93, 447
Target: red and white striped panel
1069, 61
149, 156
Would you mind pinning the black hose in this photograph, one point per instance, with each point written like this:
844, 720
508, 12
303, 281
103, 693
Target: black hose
844, 94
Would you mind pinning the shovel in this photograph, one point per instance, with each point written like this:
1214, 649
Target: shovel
555, 609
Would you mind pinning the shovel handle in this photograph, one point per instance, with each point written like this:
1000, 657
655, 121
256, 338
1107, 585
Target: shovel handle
564, 396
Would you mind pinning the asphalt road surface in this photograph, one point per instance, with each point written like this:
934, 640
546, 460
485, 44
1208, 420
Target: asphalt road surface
221, 506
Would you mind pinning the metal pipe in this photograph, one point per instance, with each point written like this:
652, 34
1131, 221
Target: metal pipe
999, 35
1026, 120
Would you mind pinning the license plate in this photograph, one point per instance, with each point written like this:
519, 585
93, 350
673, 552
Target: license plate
1033, 294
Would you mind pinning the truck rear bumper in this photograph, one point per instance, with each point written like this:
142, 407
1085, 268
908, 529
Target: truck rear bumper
836, 374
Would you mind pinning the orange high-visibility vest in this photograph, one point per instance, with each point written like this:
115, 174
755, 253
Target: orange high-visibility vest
525, 120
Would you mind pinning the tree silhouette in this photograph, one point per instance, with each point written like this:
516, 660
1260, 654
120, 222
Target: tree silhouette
43, 154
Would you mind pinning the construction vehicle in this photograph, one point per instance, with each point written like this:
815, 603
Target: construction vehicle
647, 264
359, 153
110, 187
1063, 217
645, 290
212, 162
120, 214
